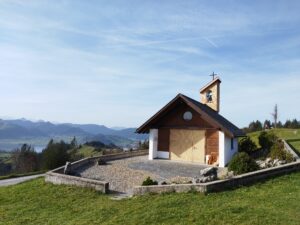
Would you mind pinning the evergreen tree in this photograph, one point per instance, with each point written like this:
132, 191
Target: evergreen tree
74, 143
267, 124
288, 124
294, 124
279, 124
55, 154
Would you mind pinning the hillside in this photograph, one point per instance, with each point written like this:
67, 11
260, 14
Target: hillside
272, 202
292, 136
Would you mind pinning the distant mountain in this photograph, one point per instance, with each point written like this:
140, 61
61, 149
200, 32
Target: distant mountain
15, 132
12, 131
101, 129
111, 139
92, 128
118, 128
130, 134
48, 128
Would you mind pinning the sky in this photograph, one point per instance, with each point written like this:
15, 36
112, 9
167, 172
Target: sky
118, 62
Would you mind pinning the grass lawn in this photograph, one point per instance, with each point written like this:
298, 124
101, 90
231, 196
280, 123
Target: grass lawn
35, 202
286, 134
295, 144
88, 151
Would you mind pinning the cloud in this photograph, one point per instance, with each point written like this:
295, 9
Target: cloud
117, 63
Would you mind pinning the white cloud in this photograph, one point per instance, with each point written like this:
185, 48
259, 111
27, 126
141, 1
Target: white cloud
118, 63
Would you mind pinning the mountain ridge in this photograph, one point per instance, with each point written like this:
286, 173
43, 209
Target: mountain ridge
15, 131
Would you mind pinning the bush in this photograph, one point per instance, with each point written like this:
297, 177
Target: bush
267, 140
247, 145
149, 181
278, 152
242, 163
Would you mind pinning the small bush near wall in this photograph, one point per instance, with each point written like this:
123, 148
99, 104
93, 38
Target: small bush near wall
242, 163
149, 181
267, 140
278, 152
247, 145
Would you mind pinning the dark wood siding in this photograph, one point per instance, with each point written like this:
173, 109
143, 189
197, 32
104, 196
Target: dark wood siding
163, 139
174, 119
212, 142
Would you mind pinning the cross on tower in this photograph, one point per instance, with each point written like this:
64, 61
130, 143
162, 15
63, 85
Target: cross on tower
213, 75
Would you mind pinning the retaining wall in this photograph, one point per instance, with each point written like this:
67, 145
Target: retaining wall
56, 176
290, 150
221, 185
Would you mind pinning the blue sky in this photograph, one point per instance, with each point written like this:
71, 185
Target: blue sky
118, 62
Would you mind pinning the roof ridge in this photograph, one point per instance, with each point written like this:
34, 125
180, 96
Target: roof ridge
210, 83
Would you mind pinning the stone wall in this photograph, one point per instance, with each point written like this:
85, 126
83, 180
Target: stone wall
56, 176
221, 185
290, 150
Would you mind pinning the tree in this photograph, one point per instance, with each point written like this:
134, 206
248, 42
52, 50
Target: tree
255, 126
74, 143
55, 154
279, 124
275, 115
267, 124
294, 124
288, 124
25, 159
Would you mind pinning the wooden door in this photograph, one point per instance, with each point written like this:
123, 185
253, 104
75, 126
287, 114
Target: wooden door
187, 145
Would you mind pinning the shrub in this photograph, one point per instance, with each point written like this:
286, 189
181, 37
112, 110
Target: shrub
267, 140
242, 163
148, 181
278, 152
247, 145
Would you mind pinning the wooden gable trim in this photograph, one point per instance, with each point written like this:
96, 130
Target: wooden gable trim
160, 113
208, 118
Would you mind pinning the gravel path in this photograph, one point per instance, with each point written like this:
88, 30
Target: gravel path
124, 174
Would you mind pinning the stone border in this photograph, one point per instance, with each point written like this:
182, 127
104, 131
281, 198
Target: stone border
290, 149
221, 185
56, 176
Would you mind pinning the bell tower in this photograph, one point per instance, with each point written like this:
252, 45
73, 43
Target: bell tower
210, 93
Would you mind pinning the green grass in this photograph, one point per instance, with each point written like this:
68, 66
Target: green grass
36, 202
4, 155
286, 134
295, 144
88, 151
